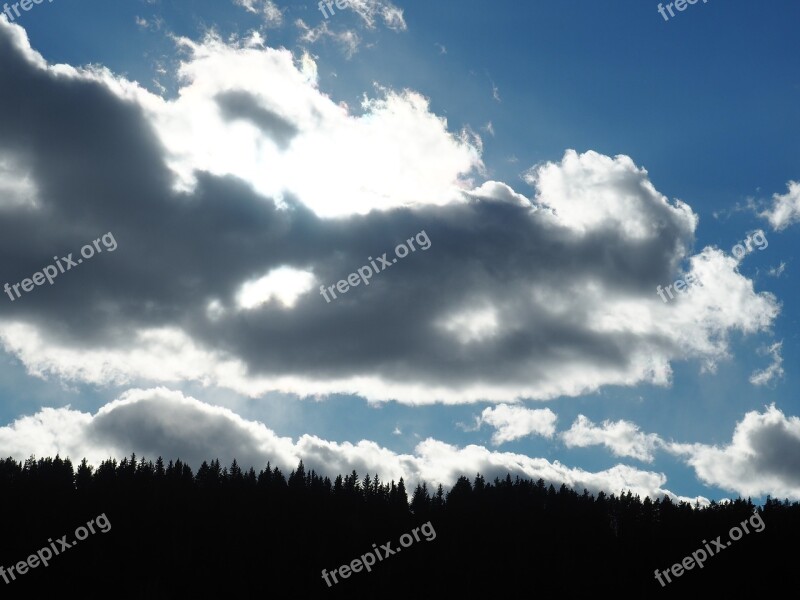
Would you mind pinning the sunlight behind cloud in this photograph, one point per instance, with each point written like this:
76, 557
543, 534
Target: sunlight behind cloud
283, 284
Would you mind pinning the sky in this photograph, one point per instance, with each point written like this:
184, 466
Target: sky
418, 239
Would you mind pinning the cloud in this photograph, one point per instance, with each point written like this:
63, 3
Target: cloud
371, 10
623, 438
773, 371
285, 137
241, 105
514, 422
762, 458
785, 208
17, 187
496, 93
237, 177
164, 422
348, 39
777, 271
499, 192
273, 15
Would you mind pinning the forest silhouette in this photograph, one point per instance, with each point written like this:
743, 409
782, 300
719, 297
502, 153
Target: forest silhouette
235, 533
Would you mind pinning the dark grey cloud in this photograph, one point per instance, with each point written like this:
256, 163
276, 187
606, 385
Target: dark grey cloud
168, 425
242, 105
99, 167
777, 451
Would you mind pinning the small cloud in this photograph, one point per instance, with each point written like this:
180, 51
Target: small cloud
153, 24
442, 49
470, 138
495, 92
348, 40
489, 128
514, 422
785, 208
726, 213
773, 371
397, 431
368, 10
273, 16
465, 427
777, 271
623, 438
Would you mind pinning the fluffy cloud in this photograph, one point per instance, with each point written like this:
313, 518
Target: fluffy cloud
240, 185
163, 422
623, 438
285, 137
785, 208
762, 458
514, 422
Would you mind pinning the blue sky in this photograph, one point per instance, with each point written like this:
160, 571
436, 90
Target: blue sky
684, 141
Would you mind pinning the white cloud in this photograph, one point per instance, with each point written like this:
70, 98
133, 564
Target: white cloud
623, 438
777, 271
499, 192
348, 39
496, 93
761, 459
283, 284
396, 153
273, 16
785, 208
371, 10
587, 192
514, 422
167, 423
773, 371
248, 5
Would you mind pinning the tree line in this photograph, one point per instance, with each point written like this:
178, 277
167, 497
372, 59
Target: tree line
226, 529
